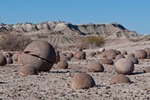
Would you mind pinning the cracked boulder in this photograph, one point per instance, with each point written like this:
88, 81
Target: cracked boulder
39, 54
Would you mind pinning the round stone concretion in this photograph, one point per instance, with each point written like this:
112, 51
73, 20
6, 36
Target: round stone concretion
39, 54
80, 55
27, 70
15, 56
107, 61
124, 66
140, 54
62, 65
147, 70
41, 49
82, 81
95, 67
120, 79
3, 61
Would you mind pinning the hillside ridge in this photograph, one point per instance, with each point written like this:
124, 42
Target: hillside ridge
110, 30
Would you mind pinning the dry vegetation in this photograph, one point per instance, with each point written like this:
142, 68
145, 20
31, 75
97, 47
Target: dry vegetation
14, 42
91, 42
95, 40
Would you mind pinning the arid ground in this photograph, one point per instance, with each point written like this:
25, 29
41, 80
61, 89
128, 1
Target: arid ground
56, 84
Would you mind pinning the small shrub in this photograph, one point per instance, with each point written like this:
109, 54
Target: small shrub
41, 36
14, 42
95, 40
90, 41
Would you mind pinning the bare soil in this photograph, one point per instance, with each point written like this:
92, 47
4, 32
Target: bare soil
56, 84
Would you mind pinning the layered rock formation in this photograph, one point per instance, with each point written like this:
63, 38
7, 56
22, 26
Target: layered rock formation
111, 30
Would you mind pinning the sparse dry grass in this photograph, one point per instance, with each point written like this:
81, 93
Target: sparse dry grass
95, 40
14, 42
91, 41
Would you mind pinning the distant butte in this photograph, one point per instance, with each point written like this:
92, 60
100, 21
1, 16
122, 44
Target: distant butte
109, 30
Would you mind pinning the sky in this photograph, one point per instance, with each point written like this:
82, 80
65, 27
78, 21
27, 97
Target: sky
132, 14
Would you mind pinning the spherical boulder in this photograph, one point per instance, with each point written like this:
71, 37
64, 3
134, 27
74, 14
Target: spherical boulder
27, 69
120, 79
62, 65
124, 66
95, 67
147, 70
80, 55
110, 54
148, 52
64, 57
140, 54
107, 61
91, 54
15, 56
82, 81
3, 61
118, 52
70, 55
41, 49
39, 54
119, 56
124, 52
133, 59
131, 54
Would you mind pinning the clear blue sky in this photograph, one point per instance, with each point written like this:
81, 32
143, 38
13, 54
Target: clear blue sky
133, 14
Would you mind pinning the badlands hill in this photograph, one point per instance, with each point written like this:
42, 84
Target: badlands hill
113, 30
63, 33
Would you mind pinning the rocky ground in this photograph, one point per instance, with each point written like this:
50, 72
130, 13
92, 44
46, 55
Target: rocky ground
56, 84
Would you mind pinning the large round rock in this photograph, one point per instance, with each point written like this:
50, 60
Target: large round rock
119, 56
82, 81
110, 54
120, 79
124, 66
133, 59
95, 67
148, 52
124, 52
107, 61
80, 55
3, 61
27, 70
39, 54
147, 70
15, 56
62, 65
140, 54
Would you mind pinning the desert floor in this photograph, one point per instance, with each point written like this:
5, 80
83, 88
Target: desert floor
56, 84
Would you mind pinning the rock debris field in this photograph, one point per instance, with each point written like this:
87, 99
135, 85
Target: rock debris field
57, 83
